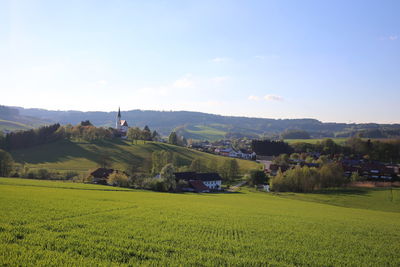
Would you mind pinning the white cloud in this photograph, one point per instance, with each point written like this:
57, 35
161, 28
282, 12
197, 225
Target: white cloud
220, 59
273, 98
253, 98
184, 82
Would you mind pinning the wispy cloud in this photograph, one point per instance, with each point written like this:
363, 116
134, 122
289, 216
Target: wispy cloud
253, 98
392, 37
266, 98
220, 59
185, 82
273, 98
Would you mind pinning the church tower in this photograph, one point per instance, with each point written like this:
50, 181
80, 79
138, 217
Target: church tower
118, 122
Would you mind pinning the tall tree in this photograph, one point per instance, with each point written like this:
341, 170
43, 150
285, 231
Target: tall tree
134, 134
229, 169
146, 133
6, 163
173, 138
167, 173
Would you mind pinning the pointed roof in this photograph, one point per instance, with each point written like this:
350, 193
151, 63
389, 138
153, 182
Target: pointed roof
119, 112
124, 123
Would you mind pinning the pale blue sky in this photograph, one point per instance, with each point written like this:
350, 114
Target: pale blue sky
329, 60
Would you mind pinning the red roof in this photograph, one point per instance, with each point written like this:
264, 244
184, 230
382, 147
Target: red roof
198, 186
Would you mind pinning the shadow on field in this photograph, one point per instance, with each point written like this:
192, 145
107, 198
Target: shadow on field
51, 152
342, 191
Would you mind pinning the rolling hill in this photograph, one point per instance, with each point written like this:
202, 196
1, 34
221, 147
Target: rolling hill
12, 120
200, 126
6, 125
81, 156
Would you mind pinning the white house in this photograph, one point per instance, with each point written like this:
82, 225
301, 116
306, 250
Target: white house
201, 182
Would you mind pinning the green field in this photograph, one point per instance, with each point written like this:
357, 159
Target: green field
62, 223
82, 156
210, 132
12, 125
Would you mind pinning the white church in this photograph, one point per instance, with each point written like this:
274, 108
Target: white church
121, 125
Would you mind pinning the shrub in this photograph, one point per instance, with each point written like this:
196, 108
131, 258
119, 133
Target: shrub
331, 175
70, 175
43, 174
118, 179
156, 184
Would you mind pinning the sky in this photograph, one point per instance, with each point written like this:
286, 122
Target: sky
336, 61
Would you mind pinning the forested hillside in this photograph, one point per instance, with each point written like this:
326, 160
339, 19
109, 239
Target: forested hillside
197, 125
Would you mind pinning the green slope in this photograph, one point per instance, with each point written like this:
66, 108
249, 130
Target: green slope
202, 132
12, 125
361, 198
45, 223
81, 156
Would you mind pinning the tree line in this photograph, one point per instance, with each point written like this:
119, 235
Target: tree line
379, 150
305, 179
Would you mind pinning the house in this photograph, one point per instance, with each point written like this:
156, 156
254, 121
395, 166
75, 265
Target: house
200, 182
100, 175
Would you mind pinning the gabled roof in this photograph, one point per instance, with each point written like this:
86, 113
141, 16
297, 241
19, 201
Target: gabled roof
185, 176
189, 176
199, 186
209, 176
124, 123
101, 173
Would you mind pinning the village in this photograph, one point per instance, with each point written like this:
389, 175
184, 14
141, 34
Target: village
275, 156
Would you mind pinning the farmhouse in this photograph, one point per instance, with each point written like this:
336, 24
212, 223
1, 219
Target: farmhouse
100, 175
200, 182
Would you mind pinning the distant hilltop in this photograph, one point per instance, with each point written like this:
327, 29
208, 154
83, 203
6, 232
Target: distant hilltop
198, 125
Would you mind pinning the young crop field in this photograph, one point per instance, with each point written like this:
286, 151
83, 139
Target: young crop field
63, 223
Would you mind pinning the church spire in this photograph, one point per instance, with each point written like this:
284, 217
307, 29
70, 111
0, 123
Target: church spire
119, 112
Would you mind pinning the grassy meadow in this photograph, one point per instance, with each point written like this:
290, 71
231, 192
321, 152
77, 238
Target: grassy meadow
63, 223
12, 125
81, 156
205, 132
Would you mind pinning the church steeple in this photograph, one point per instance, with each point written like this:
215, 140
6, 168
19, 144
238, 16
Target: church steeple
118, 121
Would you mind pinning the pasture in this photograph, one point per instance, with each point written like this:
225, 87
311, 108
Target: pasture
68, 155
63, 223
